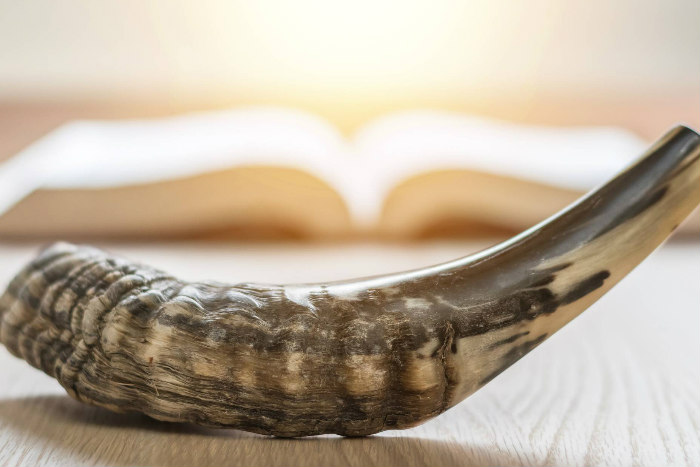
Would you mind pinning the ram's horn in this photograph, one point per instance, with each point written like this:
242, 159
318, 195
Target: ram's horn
353, 357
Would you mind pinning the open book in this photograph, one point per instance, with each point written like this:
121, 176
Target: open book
263, 171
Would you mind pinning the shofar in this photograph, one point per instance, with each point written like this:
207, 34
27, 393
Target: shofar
353, 357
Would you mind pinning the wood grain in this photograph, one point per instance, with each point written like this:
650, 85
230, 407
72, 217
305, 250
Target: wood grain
618, 386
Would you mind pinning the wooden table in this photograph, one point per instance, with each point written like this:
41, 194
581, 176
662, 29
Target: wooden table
620, 385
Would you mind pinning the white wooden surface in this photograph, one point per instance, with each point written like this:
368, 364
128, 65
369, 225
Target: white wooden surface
620, 385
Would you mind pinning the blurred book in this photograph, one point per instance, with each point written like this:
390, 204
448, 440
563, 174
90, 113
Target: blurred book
263, 172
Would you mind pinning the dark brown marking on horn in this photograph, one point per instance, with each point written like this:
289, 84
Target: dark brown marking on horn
508, 340
513, 355
585, 287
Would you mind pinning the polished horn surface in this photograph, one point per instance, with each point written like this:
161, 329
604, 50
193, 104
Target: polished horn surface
352, 357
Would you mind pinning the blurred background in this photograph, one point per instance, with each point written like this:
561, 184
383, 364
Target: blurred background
629, 64
632, 63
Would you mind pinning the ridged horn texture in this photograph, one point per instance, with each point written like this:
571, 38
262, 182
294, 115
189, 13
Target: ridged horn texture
353, 357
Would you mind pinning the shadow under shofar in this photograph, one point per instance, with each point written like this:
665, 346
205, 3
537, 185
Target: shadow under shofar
78, 434
351, 357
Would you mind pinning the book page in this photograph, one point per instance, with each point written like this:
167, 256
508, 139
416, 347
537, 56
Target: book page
398, 146
142, 151
249, 171
99, 154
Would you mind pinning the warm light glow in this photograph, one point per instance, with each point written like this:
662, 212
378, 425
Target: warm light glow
353, 48
351, 60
